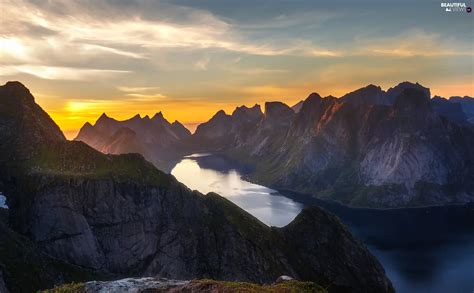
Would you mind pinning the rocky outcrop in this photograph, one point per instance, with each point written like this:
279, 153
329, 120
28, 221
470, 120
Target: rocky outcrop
156, 139
142, 285
119, 215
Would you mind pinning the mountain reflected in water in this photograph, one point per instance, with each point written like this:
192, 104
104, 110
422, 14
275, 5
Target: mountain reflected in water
422, 249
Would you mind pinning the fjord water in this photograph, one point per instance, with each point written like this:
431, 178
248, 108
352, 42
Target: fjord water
214, 174
421, 249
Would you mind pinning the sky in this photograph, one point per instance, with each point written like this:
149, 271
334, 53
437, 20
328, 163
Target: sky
190, 58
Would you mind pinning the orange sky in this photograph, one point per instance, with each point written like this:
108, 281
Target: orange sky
71, 115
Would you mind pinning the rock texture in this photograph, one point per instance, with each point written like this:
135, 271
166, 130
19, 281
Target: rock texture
467, 105
156, 139
118, 215
368, 148
142, 285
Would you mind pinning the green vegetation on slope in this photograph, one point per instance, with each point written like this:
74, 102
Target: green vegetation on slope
77, 159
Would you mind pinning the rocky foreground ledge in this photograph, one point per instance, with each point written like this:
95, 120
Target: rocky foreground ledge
149, 285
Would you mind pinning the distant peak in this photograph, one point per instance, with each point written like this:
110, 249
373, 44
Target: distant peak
137, 116
373, 86
245, 108
394, 92
103, 118
15, 84
412, 98
220, 113
407, 85
313, 96
437, 98
146, 117
158, 115
370, 89
278, 110
17, 89
159, 118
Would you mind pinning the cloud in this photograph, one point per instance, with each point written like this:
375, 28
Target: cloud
129, 89
59, 73
65, 33
202, 63
413, 43
94, 47
140, 94
146, 97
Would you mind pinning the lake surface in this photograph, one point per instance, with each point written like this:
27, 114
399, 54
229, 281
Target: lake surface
421, 249
264, 203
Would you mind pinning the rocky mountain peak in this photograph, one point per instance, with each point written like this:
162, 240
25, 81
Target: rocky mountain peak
103, 119
313, 96
412, 99
15, 94
16, 87
180, 130
25, 121
394, 92
221, 114
158, 116
160, 119
87, 125
136, 117
371, 95
247, 113
459, 99
278, 110
311, 102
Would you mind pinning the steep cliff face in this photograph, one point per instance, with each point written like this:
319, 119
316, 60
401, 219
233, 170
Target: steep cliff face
369, 148
155, 138
119, 215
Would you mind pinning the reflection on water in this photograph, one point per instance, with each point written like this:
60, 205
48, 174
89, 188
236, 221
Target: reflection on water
422, 249
264, 203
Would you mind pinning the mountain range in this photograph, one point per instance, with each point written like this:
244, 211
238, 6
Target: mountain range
369, 148
75, 214
155, 138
